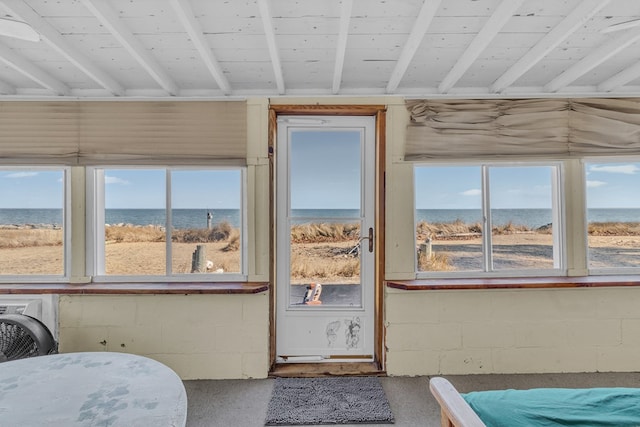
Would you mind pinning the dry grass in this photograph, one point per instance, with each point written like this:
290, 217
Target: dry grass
459, 229
510, 228
22, 238
438, 261
154, 233
447, 230
132, 233
319, 251
233, 242
614, 229
324, 232
217, 233
312, 261
318, 262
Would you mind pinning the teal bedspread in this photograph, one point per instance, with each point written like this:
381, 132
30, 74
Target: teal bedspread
594, 407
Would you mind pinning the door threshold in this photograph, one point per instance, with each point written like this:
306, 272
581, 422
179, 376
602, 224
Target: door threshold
310, 370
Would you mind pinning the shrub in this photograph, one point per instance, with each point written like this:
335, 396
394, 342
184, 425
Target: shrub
219, 232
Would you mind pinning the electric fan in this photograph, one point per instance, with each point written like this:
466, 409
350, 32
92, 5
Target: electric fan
24, 336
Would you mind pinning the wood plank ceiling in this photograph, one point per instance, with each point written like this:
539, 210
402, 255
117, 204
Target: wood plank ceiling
210, 49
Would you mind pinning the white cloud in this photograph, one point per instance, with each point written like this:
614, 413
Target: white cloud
624, 169
115, 180
21, 175
594, 184
472, 192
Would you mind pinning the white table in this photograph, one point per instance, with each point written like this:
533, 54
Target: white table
91, 389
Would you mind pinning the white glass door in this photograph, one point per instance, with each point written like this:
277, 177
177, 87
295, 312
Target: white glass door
325, 239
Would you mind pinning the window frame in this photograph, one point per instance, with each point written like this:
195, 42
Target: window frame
95, 227
66, 233
560, 257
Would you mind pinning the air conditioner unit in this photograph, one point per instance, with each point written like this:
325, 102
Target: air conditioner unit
43, 307
23, 332
31, 308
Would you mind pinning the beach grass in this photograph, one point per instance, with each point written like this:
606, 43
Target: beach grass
438, 261
324, 232
458, 229
31, 237
26, 236
319, 251
154, 233
614, 229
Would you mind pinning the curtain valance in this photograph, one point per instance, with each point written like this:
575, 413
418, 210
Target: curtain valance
494, 128
112, 132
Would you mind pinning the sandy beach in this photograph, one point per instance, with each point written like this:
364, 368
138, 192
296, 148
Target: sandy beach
327, 261
534, 251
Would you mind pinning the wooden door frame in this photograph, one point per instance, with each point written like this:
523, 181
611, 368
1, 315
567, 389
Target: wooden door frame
315, 369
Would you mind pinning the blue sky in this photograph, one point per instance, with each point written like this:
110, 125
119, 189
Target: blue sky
461, 187
127, 189
608, 185
325, 170
326, 176
190, 189
31, 189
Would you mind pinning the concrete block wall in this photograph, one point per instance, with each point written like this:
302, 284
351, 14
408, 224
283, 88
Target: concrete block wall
512, 331
198, 336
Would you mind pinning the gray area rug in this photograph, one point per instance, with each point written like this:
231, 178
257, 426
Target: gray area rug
335, 400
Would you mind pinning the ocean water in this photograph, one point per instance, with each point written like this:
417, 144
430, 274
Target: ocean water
181, 218
197, 218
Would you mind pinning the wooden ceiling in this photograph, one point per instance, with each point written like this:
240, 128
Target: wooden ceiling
216, 49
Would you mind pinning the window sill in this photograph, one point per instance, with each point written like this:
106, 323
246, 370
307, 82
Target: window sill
136, 288
514, 283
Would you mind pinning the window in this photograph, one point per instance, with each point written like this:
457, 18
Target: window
519, 203
181, 223
33, 221
613, 215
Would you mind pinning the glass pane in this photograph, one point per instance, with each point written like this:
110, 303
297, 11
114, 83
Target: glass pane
613, 214
31, 222
325, 200
521, 217
448, 218
325, 264
135, 218
325, 172
205, 215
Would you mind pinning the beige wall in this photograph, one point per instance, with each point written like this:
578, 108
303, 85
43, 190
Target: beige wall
513, 331
427, 332
499, 331
198, 336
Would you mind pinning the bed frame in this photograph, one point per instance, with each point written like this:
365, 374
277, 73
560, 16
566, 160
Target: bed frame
455, 412
603, 406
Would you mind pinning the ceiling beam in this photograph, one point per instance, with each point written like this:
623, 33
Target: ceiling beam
345, 18
580, 14
101, 10
591, 61
420, 27
496, 21
620, 79
36, 74
191, 24
267, 22
53, 38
